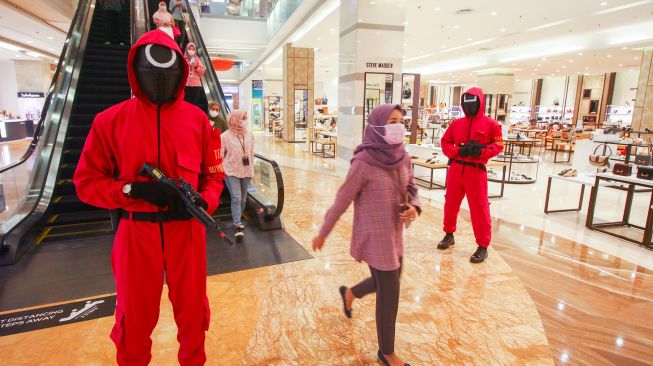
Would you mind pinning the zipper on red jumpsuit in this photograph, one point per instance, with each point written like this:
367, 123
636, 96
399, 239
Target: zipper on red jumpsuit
158, 143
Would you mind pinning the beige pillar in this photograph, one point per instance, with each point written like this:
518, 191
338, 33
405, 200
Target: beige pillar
298, 90
643, 111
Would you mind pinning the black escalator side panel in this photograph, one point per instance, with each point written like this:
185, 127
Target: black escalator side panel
103, 82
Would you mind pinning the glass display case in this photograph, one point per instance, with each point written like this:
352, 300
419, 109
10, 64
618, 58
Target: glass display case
621, 116
301, 114
522, 157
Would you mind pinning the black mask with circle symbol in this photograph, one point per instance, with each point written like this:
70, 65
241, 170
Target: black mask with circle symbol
158, 71
471, 105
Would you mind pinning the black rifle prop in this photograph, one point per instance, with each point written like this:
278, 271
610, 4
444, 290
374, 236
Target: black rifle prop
190, 198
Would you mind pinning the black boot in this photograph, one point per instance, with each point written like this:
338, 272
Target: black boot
479, 255
446, 242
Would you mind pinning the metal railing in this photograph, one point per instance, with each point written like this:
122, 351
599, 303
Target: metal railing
28, 183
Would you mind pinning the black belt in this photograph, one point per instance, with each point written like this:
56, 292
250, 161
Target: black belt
467, 163
147, 216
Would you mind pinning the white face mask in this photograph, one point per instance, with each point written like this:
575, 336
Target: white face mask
191, 53
213, 113
168, 31
394, 133
162, 8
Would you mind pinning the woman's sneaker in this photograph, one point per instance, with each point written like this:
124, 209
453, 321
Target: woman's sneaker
240, 232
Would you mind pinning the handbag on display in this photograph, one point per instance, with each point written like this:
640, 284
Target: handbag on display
622, 169
645, 172
645, 159
318, 101
601, 160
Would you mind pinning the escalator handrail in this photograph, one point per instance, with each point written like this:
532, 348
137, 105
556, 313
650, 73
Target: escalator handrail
280, 188
38, 130
209, 77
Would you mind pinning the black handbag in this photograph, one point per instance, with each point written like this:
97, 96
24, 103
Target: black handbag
645, 172
645, 159
601, 160
624, 170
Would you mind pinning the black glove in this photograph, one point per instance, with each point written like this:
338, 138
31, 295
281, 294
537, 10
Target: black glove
156, 193
474, 151
177, 209
202, 203
463, 151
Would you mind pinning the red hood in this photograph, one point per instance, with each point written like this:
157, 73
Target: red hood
163, 39
479, 93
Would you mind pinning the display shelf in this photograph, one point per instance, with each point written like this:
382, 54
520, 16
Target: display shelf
523, 158
621, 116
519, 114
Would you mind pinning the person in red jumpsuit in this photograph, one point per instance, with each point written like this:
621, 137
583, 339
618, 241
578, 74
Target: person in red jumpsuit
156, 236
469, 143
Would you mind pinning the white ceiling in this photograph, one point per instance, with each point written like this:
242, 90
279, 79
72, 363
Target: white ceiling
20, 29
532, 39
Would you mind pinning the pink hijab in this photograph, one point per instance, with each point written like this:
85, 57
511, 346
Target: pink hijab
236, 121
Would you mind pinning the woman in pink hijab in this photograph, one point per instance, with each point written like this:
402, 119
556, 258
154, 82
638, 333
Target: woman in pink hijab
238, 161
163, 20
194, 93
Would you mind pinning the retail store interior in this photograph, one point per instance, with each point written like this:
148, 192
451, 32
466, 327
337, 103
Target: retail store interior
569, 276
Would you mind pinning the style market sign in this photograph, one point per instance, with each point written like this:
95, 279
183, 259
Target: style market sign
53, 316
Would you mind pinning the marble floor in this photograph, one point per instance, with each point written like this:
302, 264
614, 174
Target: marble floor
540, 299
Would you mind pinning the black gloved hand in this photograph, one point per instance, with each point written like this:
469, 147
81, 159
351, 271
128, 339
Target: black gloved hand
177, 209
474, 151
463, 151
156, 193
202, 203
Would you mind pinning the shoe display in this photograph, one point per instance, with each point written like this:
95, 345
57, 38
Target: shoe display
570, 173
479, 255
447, 242
563, 172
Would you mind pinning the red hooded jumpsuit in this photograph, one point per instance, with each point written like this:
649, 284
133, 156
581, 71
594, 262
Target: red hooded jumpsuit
122, 138
469, 180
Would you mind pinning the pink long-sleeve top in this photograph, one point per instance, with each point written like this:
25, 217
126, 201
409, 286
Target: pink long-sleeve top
161, 19
377, 232
232, 154
196, 71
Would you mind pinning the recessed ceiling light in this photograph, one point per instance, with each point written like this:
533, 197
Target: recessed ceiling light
557, 70
609, 56
30, 42
372, 2
443, 46
571, 61
604, 3
635, 58
580, 54
539, 65
494, 13
514, 64
503, 30
456, 27
319, 39
16, 55
564, 66
621, 65
624, 48
360, 20
587, 68
332, 30
535, 69
50, 49
543, 58
469, 39
437, 9
50, 38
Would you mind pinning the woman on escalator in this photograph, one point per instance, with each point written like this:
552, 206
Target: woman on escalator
238, 162
194, 92
163, 20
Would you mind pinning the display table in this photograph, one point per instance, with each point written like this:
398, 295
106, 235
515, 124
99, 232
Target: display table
15, 129
432, 167
583, 180
632, 182
518, 154
327, 144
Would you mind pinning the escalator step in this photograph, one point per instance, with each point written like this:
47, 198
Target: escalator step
64, 187
79, 217
75, 142
81, 119
116, 59
71, 155
70, 203
79, 130
116, 74
96, 98
55, 234
102, 80
67, 170
90, 108
121, 89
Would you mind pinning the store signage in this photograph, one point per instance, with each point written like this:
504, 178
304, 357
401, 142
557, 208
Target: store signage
391, 65
53, 316
31, 95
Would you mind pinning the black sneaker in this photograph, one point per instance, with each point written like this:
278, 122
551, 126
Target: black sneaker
447, 242
240, 232
479, 255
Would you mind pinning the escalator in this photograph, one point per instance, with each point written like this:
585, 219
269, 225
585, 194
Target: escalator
91, 77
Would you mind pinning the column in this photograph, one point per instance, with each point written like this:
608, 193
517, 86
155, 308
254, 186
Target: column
298, 90
643, 111
371, 57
